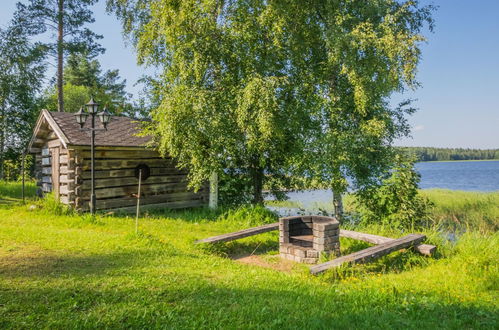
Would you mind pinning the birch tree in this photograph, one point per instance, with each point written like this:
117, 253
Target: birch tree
270, 89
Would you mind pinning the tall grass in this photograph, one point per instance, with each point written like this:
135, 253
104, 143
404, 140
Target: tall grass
11, 191
463, 210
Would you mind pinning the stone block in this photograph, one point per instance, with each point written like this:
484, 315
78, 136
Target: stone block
318, 247
325, 226
298, 259
312, 254
326, 240
330, 232
283, 239
309, 260
300, 253
307, 219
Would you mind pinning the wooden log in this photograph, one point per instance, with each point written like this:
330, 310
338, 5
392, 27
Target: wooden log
54, 143
46, 161
46, 170
371, 253
240, 234
153, 189
132, 181
121, 154
168, 205
125, 163
105, 204
425, 249
63, 159
45, 152
46, 187
64, 190
130, 172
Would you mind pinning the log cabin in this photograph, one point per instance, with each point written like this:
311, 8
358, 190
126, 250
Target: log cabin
63, 166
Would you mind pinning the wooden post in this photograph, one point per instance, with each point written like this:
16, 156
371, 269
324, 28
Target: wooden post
138, 204
213, 202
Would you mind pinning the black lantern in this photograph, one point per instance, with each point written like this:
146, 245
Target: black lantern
105, 117
92, 107
81, 117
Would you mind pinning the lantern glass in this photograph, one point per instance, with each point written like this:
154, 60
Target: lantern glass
105, 117
81, 117
92, 107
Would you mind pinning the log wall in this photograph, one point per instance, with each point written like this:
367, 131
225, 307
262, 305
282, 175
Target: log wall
116, 185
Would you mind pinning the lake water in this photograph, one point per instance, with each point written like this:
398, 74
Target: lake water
456, 175
466, 175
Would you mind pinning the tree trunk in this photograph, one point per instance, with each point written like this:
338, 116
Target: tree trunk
2, 139
60, 56
338, 206
257, 181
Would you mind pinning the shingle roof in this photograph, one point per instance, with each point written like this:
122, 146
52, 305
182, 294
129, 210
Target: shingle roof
121, 131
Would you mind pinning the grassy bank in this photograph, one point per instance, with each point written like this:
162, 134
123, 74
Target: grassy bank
72, 271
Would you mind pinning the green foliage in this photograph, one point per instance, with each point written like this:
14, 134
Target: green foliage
396, 201
426, 154
70, 272
38, 17
269, 90
21, 76
84, 78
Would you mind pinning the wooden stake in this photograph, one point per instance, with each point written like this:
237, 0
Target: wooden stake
138, 204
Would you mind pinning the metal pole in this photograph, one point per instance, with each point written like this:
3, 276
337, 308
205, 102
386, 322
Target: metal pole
22, 169
92, 170
138, 204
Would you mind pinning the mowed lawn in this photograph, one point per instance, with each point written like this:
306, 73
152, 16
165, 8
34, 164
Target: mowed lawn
72, 271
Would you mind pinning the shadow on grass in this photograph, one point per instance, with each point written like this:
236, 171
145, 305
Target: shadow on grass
45, 264
197, 305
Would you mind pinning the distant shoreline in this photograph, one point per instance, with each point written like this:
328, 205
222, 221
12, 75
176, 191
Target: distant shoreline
457, 160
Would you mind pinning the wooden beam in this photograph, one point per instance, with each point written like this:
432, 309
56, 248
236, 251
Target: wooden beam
240, 234
425, 249
371, 253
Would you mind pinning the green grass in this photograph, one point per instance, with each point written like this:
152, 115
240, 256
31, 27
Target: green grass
73, 271
11, 192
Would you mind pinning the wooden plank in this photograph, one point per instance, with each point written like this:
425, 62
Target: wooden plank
370, 253
132, 181
425, 249
240, 234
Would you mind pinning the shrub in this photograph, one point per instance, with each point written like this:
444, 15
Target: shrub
396, 201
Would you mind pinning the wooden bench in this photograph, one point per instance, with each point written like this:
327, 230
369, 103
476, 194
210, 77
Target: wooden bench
371, 252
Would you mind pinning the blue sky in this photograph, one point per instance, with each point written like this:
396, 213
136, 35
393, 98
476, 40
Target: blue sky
459, 99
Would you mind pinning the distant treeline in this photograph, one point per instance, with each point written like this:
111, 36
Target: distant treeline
433, 154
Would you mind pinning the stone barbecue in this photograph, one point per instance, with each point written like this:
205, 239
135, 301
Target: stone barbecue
304, 238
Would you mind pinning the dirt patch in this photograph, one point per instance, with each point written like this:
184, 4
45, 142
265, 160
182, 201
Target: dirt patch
272, 262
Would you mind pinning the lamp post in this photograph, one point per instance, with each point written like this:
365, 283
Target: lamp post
81, 118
